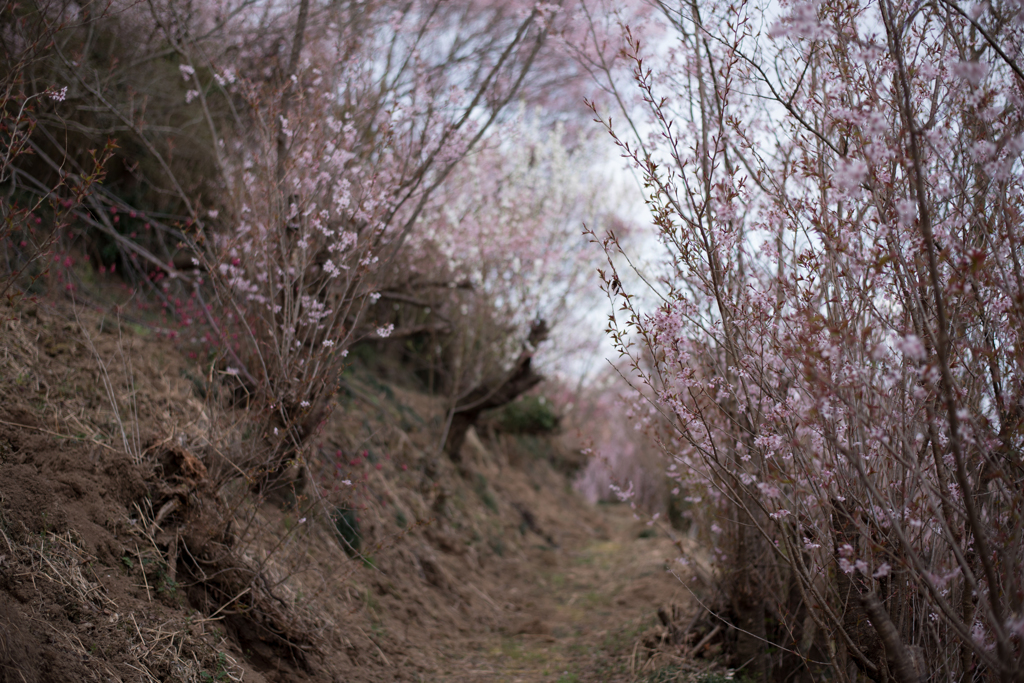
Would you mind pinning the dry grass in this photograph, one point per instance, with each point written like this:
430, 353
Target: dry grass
209, 578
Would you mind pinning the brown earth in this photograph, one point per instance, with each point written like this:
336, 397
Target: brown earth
577, 613
495, 572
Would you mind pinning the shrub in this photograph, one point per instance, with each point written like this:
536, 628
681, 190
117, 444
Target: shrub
528, 415
831, 346
346, 526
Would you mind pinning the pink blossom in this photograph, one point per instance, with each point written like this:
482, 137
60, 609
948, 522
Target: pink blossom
906, 209
850, 173
972, 72
912, 347
802, 22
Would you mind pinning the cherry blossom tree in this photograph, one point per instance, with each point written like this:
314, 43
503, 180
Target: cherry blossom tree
340, 168
497, 260
292, 148
831, 342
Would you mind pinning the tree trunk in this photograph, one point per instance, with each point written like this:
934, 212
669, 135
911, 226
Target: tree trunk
748, 600
485, 397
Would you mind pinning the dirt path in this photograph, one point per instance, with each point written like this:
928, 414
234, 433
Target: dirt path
574, 613
506, 574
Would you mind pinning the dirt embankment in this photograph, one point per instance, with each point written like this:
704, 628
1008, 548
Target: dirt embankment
394, 567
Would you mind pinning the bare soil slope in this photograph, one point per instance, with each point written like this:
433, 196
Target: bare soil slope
497, 571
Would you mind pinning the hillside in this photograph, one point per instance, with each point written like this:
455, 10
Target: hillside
125, 556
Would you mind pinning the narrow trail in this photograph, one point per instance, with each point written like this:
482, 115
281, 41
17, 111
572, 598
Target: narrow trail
574, 613
513, 578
